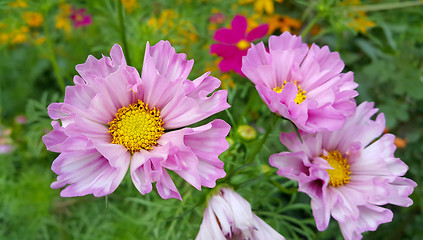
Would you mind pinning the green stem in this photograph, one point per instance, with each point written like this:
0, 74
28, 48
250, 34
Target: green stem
53, 60
231, 118
309, 26
122, 31
384, 6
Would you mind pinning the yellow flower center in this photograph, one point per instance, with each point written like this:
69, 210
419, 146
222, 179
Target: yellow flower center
300, 93
79, 18
243, 44
136, 127
340, 175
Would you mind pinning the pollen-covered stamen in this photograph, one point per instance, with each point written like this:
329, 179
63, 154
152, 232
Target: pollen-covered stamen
243, 44
300, 93
136, 127
340, 175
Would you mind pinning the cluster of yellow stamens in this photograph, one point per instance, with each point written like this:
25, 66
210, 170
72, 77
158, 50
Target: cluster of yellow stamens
136, 127
340, 175
243, 44
300, 93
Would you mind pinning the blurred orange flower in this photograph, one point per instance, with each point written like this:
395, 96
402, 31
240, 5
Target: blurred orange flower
33, 19
283, 24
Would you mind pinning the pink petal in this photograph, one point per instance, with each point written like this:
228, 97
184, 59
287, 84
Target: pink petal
166, 61
257, 32
86, 172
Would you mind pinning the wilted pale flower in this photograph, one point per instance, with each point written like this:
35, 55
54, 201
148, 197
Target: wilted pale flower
234, 43
347, 173
229, 216
303, 85
112, 120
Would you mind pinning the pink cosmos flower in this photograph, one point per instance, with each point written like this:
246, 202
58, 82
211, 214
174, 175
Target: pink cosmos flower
234, 43
80, 18
302, 84
347, 173
229, 216
113, 119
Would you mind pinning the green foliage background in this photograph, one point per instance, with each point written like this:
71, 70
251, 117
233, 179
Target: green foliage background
387, 61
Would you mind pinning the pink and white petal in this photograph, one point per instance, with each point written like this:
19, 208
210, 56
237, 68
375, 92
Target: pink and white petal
258, 32
287, 41
325, 118
188, 166
117, 154
222, 212
166, 61
54, 139
264, 231
55, 111
207, 142
184, 110
94, 69
289, 165
320, 65
80, 95
77, 143
86, 172
166, 188
321, 213
395, 191
93, 130
371, 217
283, 63
378, 159
144, 171
209, 228
256, 57
292, 141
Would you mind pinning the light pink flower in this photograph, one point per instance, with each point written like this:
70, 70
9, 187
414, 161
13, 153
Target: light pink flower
347, 173
302, 84
234, 42
229, 216
113, 119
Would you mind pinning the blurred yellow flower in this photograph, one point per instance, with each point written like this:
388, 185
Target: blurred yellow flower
227, 81
254, 21
62, 18
19, 36
33, 19
4, 38
129, 5
261, 6
359, 20
40, 40
63, 23
18, 4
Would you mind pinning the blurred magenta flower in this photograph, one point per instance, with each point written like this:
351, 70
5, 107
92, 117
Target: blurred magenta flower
217, 18
79, 17
234, 43
229, 216
113, 119
347, 173
302, 84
